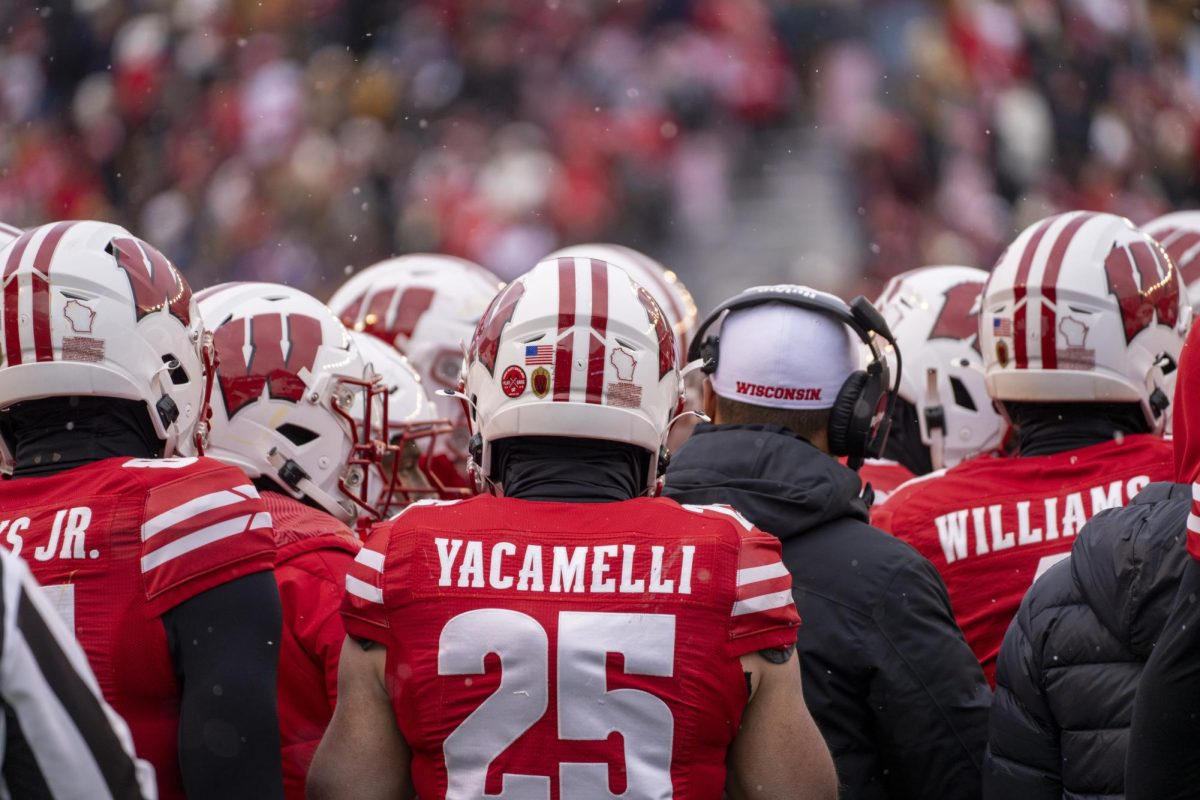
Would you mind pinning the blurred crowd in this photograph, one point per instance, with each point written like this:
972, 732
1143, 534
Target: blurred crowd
296, 140
963, 121
290, 140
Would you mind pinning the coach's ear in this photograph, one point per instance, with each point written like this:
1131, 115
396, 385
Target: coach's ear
710, 401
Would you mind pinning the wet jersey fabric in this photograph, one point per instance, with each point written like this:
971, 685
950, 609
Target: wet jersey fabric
118, 543
522, 634
991, 526
315, 551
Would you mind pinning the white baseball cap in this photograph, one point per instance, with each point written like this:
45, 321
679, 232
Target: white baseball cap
782, 356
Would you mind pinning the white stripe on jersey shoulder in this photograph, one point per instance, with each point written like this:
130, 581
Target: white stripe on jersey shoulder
194, 508
422, 504
363, 590
764, 602
370, 559
728, 511
764, 573
937, 473
174, 462
1196, 491
197, 539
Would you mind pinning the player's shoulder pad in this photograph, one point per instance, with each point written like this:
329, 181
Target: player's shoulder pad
909, 484
419, 505
151, 472
719, 511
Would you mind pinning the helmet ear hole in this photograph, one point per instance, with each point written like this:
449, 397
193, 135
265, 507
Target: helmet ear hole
296, 434
962, 398
175, 369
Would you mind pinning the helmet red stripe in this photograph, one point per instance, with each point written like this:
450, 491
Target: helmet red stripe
1020, 289
1050, 290
375, 320
563, 351
12, 294
596, 348
41, 291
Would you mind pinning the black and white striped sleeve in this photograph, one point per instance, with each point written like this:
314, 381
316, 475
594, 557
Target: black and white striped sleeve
60, 739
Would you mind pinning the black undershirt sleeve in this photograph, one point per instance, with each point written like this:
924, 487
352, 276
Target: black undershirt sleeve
225, 647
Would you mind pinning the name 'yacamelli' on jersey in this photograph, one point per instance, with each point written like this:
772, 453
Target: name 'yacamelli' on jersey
598, 569
1043, 521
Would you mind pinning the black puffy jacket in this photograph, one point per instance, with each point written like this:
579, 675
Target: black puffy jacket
891, 683
1072, 657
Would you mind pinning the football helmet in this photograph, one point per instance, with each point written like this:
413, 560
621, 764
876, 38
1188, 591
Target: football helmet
426, 306
933, 312
294, 401
1084, 307
410, 427
88, 308
573, 348
1179, 234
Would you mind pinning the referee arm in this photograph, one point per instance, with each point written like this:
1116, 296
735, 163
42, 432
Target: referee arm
60, 739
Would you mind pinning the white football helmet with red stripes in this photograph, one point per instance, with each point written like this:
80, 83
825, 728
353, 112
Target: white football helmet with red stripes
663, 284
1084, 307
934, 311
412, 427
426, 306
88, 308
573, 348
1179, 234
293, 400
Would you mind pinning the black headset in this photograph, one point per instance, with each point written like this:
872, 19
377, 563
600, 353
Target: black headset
862, 413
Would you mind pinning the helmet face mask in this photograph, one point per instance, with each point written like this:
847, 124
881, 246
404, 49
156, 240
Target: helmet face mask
1083, 307
295, 401
574, 348
404, 428
426, 306
91, 309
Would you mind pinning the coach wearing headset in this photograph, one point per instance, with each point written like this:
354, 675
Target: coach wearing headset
894, 688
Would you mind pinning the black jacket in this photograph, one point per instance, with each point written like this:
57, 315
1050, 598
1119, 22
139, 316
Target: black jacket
890, 681
1073, 656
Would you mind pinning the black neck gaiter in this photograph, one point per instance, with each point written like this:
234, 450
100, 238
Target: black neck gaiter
904, 445
1044, 429
59, 433
569, 470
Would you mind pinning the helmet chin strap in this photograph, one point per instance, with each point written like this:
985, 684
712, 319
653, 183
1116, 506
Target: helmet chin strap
935, 420
293, 475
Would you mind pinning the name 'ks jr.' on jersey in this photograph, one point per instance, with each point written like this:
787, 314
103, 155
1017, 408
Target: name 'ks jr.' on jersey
121, 543
1081, 320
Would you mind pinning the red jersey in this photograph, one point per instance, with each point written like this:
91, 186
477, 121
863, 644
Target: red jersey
118, 543
884, 476
991, 526
522, 635
315, 552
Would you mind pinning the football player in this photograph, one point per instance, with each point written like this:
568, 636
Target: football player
943, 413
497, 643
1080, 322
426, 306
290, 409
676, 303
160, 564
403, 475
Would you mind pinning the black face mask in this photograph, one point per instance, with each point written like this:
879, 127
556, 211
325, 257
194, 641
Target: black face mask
904, 445
59, 433
1044, 429
569, 470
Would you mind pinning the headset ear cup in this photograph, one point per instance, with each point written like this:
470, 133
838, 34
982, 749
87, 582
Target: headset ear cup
842, 422
709, 353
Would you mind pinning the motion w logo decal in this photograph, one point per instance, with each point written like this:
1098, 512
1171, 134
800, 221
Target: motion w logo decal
251, 363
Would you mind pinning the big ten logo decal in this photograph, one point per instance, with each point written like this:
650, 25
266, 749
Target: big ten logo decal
1146, 284
959, 317
155, 282
486, 341
265, 351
